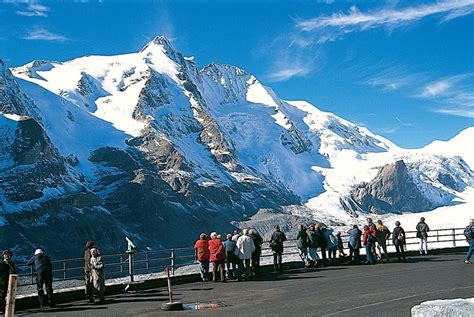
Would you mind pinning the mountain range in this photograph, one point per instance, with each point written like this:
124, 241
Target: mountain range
150, 146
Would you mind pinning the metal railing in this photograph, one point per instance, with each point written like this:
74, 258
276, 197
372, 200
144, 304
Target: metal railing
146, 262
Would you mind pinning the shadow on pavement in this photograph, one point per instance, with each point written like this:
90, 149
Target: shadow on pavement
61, 308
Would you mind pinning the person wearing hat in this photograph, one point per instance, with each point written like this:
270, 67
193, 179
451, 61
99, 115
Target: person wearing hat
217, 257
44, 275
7, 267
245, 247
422, 233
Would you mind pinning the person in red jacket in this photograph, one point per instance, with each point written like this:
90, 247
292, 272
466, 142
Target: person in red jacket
217, 250
368, 239
202, 255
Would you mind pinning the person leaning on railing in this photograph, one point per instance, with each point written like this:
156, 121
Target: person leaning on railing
44, 275
422, 233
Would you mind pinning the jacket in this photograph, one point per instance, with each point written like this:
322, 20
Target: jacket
313, 239
276, 242
5, 271
382, 232
217, 250
354, 238
202, 248
246, 247
330, 239
422, 230
396, 232
87, 261
257, 241
41, 262
302, 239
97, 273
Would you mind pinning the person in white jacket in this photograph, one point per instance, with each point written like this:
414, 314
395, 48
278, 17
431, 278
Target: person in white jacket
245, 247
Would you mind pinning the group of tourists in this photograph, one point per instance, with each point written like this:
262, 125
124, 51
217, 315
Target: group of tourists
373, 238
238, 257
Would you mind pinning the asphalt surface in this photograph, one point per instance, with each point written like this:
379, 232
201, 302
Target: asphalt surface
385, 289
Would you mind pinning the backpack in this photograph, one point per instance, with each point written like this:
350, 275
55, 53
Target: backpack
371, 238
401, 236
468, 233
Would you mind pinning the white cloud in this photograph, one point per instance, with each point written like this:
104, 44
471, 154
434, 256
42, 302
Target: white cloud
282, 73
339, 23
29, 8
393, 78
442, 86
41, 34
459, 112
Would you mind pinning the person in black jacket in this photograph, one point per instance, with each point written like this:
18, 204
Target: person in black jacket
276, 244
44, 275
398, 239
302, 244
7, 267
257, 241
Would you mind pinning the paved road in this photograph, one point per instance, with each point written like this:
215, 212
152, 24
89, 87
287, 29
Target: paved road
387, 289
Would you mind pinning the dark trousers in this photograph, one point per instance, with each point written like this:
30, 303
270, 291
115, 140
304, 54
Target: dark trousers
256, 262
354, 254
323, 255
88, 284
230, 263
45, 277
277, 261
400, 251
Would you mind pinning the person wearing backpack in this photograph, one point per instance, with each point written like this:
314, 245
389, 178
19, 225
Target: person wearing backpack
469, 234
422, 233
276, 244
398, 239
368, 239
354, 244
331, 243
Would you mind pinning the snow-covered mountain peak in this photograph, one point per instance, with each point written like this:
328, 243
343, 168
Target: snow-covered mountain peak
159, 40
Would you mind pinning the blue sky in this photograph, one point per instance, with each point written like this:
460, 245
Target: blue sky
404, 69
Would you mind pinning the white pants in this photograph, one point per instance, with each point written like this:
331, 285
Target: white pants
423, 245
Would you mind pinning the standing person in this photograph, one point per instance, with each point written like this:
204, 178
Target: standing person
313, 240
373, 230
382, 235
230, 260
97, 275
276, 244
87, 270
368, 240
257, 241
340, 246
202, 255
302, 244
7, 267
354, 244
398, 239
246, 247
217, 257
422, 233
330, 241
321, 242
44, 275
469, 234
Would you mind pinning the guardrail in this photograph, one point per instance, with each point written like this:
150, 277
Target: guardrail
145, 262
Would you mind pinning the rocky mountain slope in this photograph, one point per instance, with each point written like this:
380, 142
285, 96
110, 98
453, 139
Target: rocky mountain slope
148, 145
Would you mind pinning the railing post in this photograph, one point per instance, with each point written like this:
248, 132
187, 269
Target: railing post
147, 261
454, 237
130, 266
11, 295
437, 235
172, 262
64, 270
121, 264
32, 275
